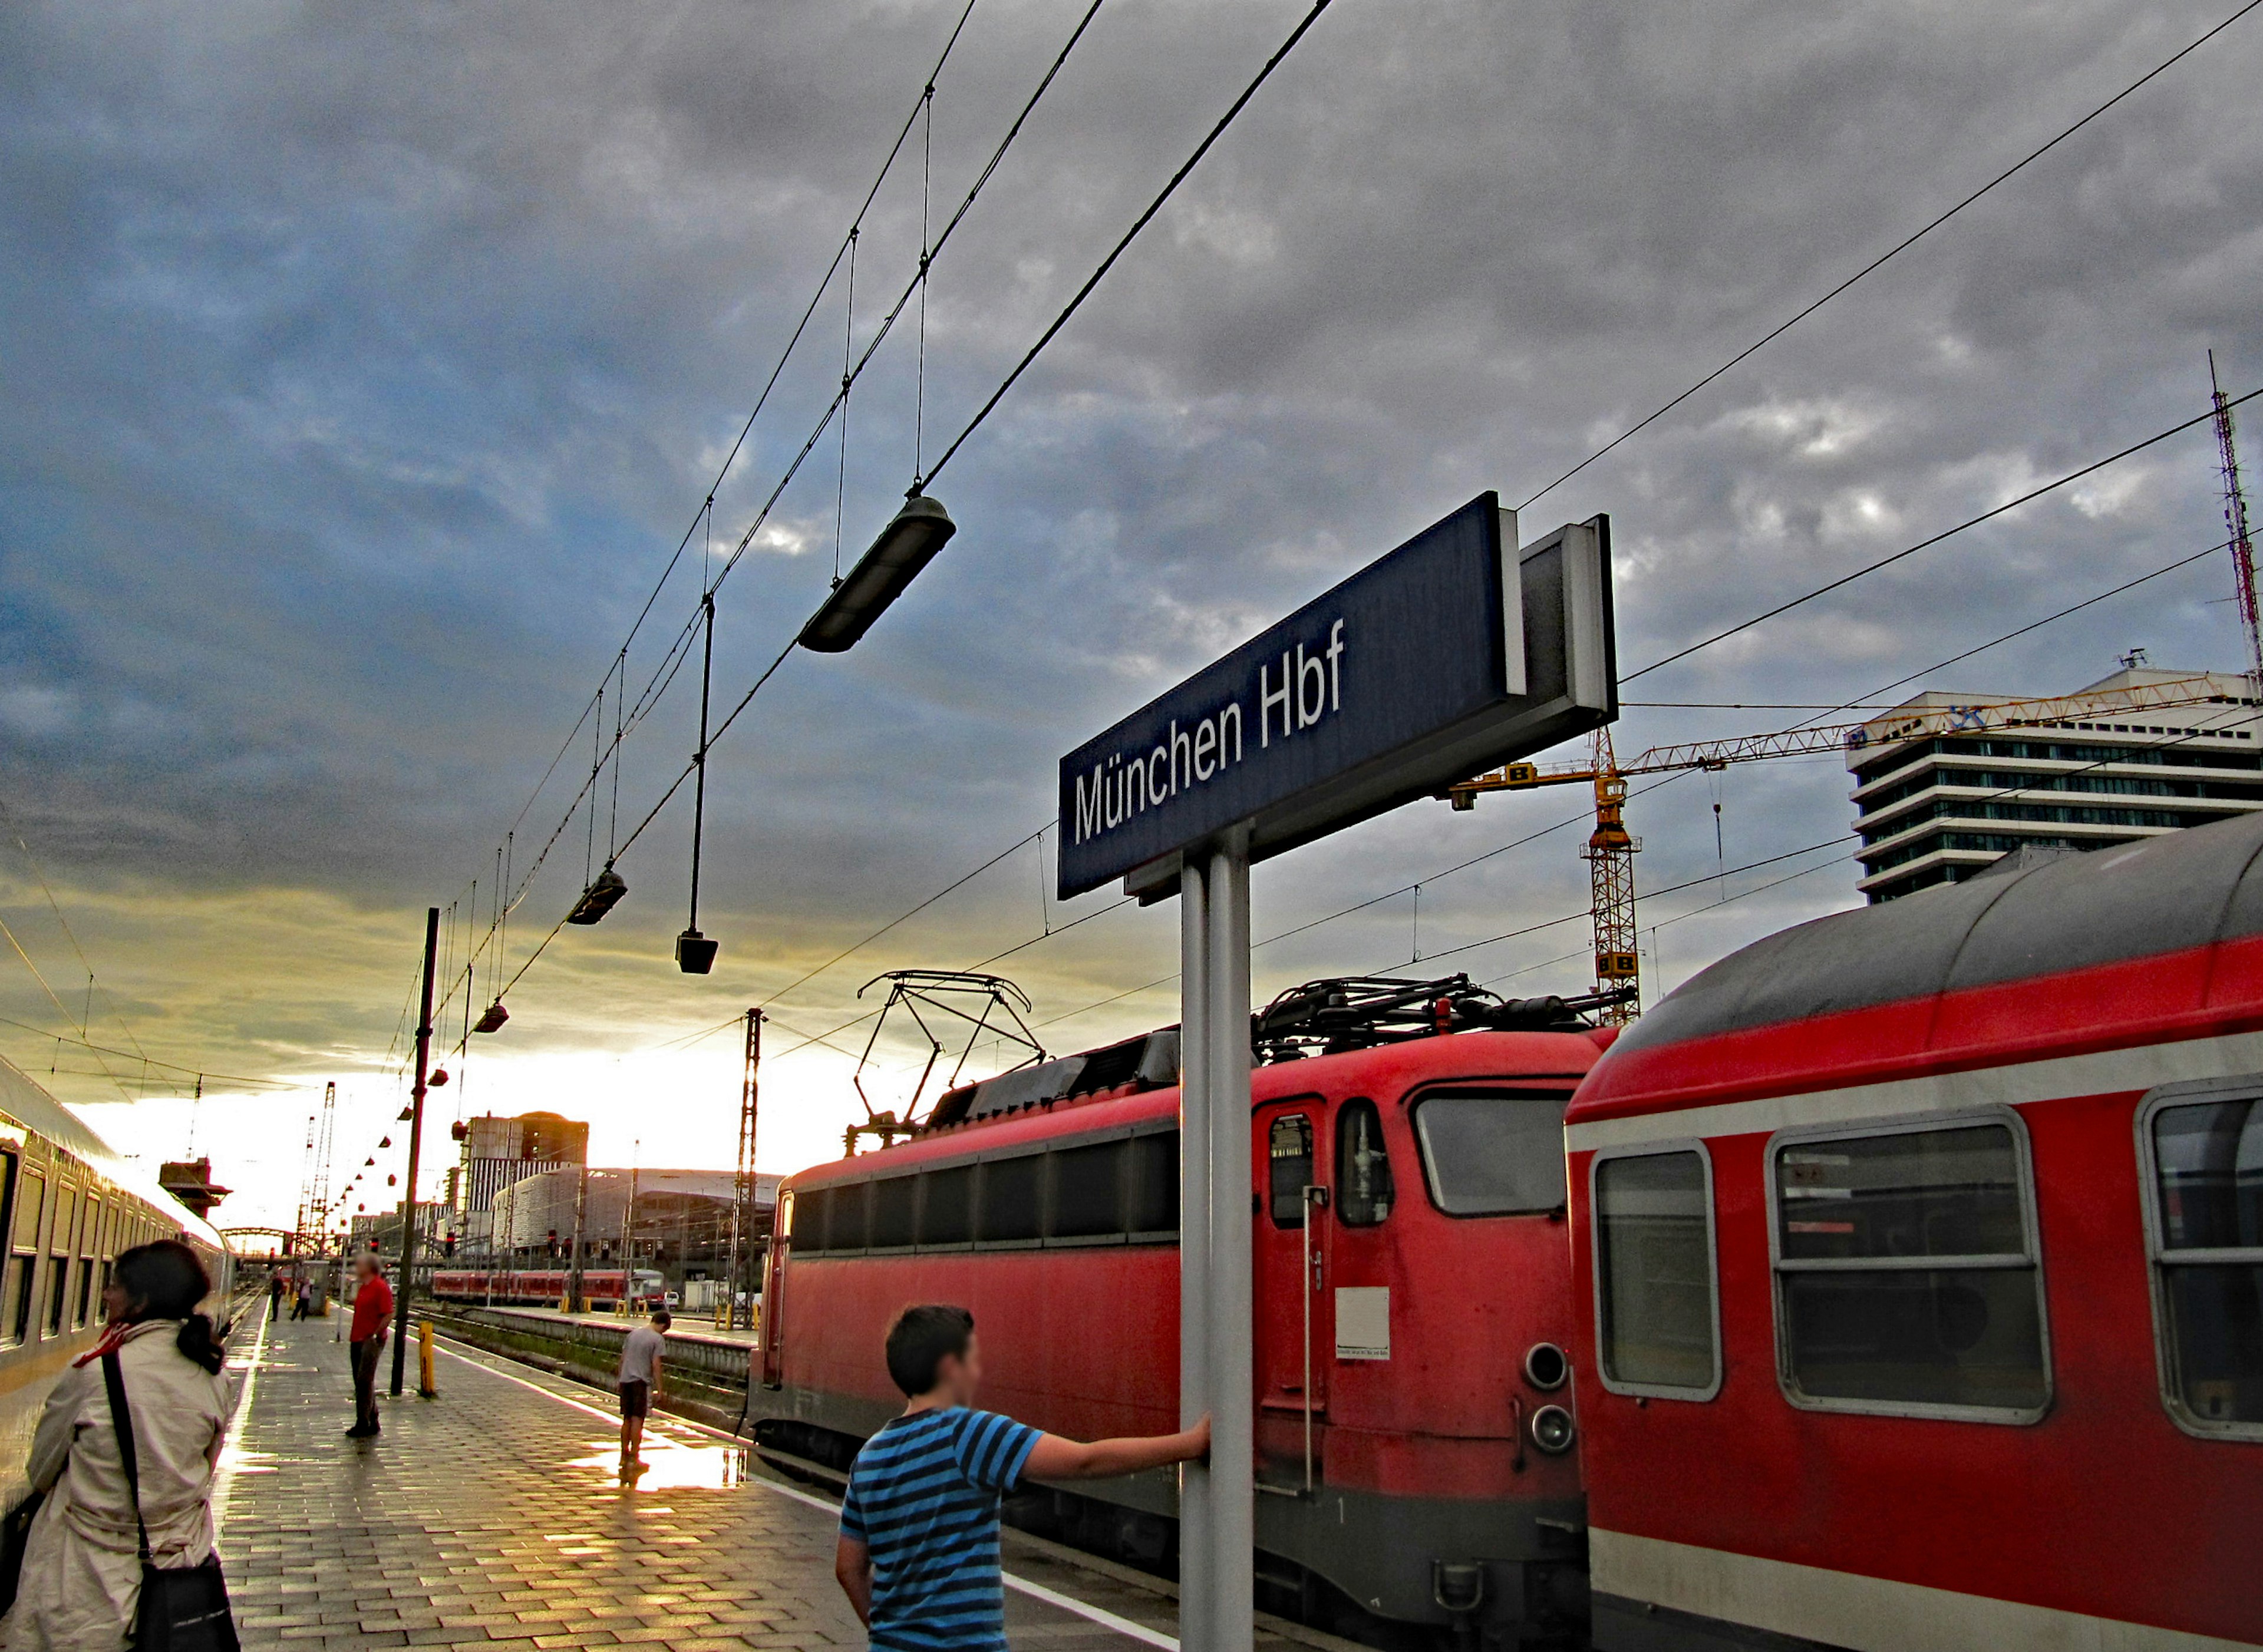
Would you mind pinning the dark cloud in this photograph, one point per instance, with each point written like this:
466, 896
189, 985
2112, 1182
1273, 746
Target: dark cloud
365, 366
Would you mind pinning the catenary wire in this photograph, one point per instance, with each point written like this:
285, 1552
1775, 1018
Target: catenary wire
1786, 326
1927, 544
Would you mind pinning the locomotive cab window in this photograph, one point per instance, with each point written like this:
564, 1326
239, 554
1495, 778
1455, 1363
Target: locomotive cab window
1658, 1316
1288, 1159
2203, 1152
1363, 1187
1492, 1152
1907, 1278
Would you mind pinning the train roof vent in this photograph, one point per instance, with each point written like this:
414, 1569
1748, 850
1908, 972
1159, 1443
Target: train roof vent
1047, 1081
1361, 1012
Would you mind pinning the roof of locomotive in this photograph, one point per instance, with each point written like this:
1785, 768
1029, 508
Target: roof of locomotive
1378, 1071
2185, 893
42, 1114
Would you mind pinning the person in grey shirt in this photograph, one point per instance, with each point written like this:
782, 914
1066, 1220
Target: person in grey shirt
639, 1381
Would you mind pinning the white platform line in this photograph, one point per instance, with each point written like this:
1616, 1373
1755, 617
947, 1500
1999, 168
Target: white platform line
1100, 1615
231, 1452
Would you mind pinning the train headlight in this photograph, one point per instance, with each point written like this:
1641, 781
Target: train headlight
1552, 1431
1546, 1366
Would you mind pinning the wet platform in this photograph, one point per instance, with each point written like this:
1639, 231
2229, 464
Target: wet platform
495, 1514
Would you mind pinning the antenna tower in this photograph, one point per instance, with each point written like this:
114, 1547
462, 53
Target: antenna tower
2235, 525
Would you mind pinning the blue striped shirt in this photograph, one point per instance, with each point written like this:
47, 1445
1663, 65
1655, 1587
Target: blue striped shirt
923, 1498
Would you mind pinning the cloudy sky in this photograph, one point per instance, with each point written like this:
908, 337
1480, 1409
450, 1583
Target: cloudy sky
366, 366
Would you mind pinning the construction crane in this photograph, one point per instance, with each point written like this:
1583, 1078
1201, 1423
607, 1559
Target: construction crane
1610, 851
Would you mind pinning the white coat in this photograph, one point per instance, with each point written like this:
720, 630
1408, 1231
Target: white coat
82, 1574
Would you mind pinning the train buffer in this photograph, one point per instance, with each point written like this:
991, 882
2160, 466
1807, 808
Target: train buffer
496, 1515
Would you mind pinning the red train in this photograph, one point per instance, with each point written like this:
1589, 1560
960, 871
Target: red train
1412, 1311
1911, 1287
1922, 1251
546, 1287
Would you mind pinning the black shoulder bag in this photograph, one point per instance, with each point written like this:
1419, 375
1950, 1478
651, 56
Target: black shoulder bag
15, 1534
183, 1608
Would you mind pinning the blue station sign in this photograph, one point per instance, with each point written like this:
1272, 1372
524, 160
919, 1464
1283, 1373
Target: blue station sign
1454, 654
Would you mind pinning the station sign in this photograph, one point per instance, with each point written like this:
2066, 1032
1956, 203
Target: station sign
1454, 654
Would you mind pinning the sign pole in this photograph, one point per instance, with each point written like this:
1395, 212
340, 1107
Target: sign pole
1233, 1511
1196, 1565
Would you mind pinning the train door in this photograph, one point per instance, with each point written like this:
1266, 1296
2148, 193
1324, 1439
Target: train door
770, 1330
1293, 1320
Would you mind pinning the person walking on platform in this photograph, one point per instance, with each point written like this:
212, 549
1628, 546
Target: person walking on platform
303, 1300
275, 1295
639, 1377
81, 1584
372, 1315
918, 1554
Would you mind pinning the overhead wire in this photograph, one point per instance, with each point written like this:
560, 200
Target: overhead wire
1989, 514
1893, 252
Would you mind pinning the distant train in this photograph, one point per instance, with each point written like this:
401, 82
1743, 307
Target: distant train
68, 1206
546, 1287
1908, 1273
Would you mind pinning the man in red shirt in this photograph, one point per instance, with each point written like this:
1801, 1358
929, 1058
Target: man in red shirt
373, 1314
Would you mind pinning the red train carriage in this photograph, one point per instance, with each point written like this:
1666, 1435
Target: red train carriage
1920, 1256
544, 1287
1413, 1440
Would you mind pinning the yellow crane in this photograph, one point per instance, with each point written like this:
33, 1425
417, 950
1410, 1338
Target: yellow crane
1610, 851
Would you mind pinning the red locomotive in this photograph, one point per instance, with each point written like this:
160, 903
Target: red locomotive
1414, 1435
1920, 1256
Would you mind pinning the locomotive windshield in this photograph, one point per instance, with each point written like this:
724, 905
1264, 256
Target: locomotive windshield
1492, 1152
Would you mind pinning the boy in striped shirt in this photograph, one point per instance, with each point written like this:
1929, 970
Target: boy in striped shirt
918, 1555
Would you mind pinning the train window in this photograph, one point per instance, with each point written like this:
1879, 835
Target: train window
1907, 1273
29, 1210
58, 1285
1288, 1159
1658, 1326
1154, 1183
815, 1216
947, 1206
1363, 1188
85, 1291
1492, 1152
2204, 1159
1088, 1199
1009, 1208
11, 1327
895, 1212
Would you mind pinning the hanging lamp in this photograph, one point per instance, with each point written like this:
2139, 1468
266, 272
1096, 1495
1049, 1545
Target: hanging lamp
906, 545
436, 1079
695, 953
492, 1018
384, 1143
603, 894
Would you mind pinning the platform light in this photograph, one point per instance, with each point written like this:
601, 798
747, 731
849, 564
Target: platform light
695, 953
438, 1078
906, 545
603, 894
492, 1018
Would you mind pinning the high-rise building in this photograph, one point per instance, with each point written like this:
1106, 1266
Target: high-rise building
1937, 808
498, 1151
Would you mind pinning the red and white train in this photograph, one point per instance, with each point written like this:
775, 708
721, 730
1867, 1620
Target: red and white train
1920, 1253
1906, 1266
544, 1287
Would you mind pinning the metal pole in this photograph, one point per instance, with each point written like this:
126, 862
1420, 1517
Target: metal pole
1197, 1572
415, 1140
1233, 1514
573, 1304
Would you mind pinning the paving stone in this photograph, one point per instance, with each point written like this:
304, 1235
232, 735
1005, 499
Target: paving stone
493, 1517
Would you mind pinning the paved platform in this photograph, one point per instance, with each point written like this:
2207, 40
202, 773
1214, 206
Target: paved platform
495, 1514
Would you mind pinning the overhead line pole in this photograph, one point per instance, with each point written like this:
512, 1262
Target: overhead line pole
415, 1141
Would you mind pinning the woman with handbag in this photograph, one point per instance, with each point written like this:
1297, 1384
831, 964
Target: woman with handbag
123, 1548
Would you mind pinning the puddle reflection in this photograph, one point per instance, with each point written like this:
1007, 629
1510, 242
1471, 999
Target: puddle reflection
671, 1465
